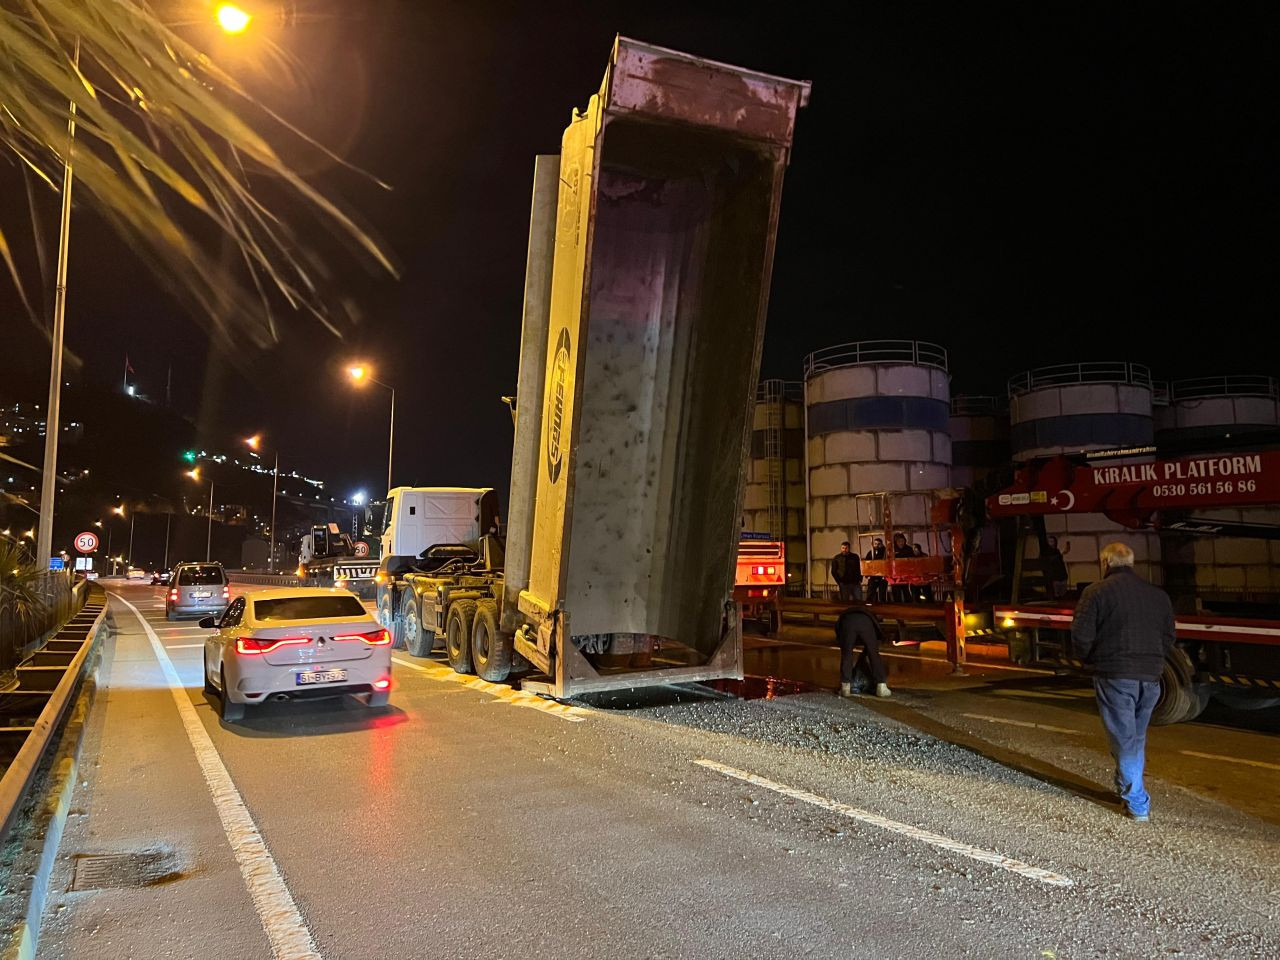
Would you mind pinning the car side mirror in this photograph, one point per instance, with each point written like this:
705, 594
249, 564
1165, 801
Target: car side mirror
208, 623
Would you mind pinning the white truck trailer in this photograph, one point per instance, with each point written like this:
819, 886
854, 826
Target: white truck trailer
650, 250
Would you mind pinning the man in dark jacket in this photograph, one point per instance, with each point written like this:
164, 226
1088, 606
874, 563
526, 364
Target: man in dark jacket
858, 625
1122, 630
878, 586
846, 571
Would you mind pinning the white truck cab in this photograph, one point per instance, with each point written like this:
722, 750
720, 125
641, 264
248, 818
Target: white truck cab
418, 518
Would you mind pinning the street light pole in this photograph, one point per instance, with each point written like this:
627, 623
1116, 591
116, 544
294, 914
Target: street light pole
208, 540
275, 483
168, 518
132, 517
391, 438
49, 477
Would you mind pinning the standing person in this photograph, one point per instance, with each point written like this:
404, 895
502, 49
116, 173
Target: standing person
1122, 630
846, 571
1055, 567
858, 625
878, 586
902, 551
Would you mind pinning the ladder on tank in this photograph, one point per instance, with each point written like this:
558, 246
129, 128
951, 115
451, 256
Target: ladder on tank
774, 422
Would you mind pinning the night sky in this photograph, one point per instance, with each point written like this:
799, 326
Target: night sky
1025, 184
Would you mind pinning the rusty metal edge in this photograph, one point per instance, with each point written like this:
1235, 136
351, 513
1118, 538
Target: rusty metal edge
21, 773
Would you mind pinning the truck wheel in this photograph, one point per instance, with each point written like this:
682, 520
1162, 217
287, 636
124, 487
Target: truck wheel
457, 635
1178, 699
490, 650
416, 639
393, 624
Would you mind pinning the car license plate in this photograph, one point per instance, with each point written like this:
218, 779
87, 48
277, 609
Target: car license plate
201, 593
321, 676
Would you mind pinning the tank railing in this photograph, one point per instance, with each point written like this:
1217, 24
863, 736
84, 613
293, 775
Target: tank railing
978, 406
790, 391
1231, 385
1068, 374
1160, 393
916, 352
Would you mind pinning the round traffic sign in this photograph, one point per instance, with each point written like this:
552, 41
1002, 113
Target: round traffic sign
362, 548
87, 542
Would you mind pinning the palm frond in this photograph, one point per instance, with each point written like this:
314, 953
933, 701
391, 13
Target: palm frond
175, 155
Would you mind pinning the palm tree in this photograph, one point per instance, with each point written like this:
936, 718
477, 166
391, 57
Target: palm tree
22, 601
174, 154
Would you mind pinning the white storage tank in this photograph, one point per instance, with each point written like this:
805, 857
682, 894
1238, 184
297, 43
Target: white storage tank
773, 501
877, 418
1078, 407
1210, 415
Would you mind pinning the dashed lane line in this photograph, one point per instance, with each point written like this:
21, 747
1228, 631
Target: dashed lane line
517, 698
1217, 756
1020, 723
905, 829
286, 930
183, 646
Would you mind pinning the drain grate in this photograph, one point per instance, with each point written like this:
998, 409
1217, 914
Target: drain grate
97, 871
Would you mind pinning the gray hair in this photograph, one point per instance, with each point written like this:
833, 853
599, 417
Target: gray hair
1116, 554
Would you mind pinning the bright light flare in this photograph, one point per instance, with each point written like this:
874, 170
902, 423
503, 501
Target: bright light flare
358, 498
118, 511
231, 18
358, 374
194, 474
254, 442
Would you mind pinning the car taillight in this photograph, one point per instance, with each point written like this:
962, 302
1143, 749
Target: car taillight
376, 638
173, 594
252, 646
383, 684
770, 570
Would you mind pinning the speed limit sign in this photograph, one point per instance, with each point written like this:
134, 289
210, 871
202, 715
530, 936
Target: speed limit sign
362, 548
87, 542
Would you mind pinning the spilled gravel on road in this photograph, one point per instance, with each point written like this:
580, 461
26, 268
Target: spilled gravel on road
1200, 880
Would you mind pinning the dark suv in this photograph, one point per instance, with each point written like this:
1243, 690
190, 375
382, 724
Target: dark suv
197, 590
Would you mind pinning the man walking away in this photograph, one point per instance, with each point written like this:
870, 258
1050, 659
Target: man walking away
846, 571
1122, 630
857, 625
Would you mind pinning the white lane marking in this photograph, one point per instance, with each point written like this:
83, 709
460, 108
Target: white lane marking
915, 833
183, 646
286, 930
517, 698
1217, 756
1019, 723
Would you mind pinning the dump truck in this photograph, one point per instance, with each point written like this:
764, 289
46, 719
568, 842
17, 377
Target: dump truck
650, 250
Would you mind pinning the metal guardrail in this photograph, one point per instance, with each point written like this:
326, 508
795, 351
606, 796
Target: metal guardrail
1069, 374
21, 771
918, 352
265, 579
1231, 385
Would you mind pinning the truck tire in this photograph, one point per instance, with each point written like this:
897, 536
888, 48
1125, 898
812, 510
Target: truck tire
1178, 699
490, 648
417, 641
457, 635
393, 624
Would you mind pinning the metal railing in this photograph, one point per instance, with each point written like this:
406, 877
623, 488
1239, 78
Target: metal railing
1069, 374
792, 391
17, 634
918, 352
1231, 385
978, 406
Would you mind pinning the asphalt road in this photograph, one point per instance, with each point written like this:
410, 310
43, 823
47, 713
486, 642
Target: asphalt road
467, 820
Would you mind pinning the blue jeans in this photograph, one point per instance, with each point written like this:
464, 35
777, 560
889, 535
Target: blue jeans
1125, 706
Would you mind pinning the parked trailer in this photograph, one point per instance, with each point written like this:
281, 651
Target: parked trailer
650, 251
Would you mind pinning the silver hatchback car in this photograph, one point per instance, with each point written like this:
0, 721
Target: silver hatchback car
197, 590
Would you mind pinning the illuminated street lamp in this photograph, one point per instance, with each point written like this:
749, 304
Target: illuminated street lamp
208, 540
360, 375
254, 443
231, 18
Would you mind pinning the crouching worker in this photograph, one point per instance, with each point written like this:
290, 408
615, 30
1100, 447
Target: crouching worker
858, 626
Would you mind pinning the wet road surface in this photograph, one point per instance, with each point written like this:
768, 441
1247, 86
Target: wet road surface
467, 820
